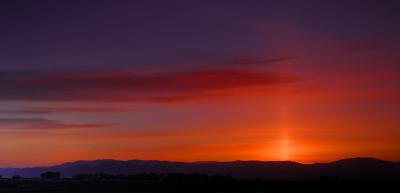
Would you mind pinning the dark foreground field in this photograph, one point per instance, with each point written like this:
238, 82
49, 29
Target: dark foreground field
254, 186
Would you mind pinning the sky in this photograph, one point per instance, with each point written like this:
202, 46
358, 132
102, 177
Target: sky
308, 81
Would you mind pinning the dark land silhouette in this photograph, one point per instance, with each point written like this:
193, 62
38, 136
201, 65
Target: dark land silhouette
354, 168
354, 175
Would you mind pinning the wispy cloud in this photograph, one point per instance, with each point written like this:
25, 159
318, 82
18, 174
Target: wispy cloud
49, 110
114, 86
244, 61
41, 124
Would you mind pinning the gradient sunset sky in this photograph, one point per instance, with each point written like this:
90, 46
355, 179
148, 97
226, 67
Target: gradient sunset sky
302, 80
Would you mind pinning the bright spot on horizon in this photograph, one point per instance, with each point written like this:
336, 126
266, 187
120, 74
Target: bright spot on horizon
285, 149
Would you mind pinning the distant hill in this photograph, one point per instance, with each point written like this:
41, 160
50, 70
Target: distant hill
5, 171
354, 168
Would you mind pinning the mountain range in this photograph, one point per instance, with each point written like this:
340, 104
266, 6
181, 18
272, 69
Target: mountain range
352, 168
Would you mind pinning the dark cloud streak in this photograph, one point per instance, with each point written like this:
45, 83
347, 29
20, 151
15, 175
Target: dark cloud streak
41, 124
113, 86
259, 61
49, 110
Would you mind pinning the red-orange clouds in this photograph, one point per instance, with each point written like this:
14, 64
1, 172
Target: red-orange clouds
128, 86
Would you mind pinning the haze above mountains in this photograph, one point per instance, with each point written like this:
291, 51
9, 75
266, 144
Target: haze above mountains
353, 168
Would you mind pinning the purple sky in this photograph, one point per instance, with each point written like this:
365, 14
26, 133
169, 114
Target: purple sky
304, 80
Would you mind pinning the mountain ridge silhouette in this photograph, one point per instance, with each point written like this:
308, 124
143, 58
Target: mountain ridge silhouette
349, 168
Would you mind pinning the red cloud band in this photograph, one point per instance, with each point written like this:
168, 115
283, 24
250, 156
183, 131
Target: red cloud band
131, 86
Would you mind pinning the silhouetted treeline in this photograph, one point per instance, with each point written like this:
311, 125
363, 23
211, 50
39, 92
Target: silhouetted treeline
50, 175
184, 183
155, 177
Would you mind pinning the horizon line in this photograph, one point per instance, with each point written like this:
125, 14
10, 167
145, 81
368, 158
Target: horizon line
191, 162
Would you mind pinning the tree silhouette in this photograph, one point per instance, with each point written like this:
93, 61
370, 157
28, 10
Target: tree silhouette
50, 175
